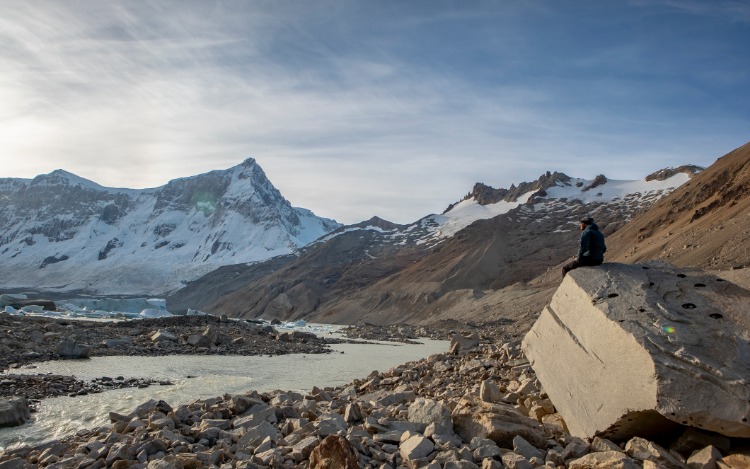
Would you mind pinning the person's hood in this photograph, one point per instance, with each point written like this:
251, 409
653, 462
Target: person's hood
593, 226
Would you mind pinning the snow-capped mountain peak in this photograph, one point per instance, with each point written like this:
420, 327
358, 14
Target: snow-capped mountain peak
65, 232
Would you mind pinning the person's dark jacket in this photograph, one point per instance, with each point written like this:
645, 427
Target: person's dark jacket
592, 244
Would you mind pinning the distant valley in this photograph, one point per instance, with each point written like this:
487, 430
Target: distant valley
227, 242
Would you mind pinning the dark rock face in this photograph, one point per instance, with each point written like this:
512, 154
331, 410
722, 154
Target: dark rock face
598, 181
71, 349
53, 260
112, 244
485, 195
667, 173
14, 412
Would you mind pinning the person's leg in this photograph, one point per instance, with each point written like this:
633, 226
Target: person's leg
588, 262
570, 266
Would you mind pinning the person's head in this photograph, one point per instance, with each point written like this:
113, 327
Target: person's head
586, 222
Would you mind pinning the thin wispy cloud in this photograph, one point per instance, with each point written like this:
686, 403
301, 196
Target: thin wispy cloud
357, 109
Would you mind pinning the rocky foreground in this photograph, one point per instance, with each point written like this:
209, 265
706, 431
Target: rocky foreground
479, 406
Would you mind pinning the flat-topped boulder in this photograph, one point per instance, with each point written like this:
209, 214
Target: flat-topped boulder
626, 350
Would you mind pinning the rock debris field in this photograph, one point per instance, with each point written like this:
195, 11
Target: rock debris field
478, 406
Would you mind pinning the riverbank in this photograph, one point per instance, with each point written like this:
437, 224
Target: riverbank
25, 341
480, 407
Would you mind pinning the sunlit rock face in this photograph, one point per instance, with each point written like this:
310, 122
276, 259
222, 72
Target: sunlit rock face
624, 350
62, 232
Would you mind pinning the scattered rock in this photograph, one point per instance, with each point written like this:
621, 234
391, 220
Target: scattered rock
70, 349
334, 452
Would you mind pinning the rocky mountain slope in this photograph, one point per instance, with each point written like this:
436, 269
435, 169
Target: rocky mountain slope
490, 240
64, 233
704, 223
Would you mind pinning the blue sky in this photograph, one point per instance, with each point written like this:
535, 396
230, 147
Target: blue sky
362, 108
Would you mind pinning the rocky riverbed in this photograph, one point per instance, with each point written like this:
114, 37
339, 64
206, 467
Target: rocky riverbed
480, 406
26, 340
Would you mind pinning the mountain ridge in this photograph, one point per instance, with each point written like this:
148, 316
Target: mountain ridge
470, 250
68, 233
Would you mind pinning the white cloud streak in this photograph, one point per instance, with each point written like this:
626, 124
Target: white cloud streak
346, 120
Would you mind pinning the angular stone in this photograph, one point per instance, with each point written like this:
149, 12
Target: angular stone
120, 451
554, 423
330, 424
604, 460
461, 345
484, 448
636, 349
416, 447
198, 340
163, 336
396, 398
301, 451
334, 452
73, 350
644, 450
704, 459
734, 461
576, 448
15, 463
516, 461
255, 416
254, 436
489, 391
498, 422
525, 449
599, 445
353, 413
459, 465
428, 411
169, 462
14, 412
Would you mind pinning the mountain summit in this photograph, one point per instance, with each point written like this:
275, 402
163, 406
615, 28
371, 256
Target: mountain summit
63, 232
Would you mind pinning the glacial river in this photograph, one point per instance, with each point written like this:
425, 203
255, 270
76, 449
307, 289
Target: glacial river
198, 377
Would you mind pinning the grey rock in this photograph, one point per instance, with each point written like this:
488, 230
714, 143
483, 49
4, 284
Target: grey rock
644, 450
301, 451
664, 351
163, 336
489, 391
461, 345
460, 465
353, 413
14, 463
498, 422
604, 460
599, 445
516, 461
254, 436
14, 412
416, 447
526, 449
73, 350
704, 459
429, 411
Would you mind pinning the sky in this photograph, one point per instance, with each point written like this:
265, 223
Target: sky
357, 108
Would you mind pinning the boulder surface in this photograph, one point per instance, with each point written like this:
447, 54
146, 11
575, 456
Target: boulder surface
625, 350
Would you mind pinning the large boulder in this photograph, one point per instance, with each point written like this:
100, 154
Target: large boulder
74, 350
14, 412
501, 423
622, 349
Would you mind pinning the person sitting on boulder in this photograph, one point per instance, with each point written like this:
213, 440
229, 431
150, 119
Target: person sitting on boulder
592, 248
